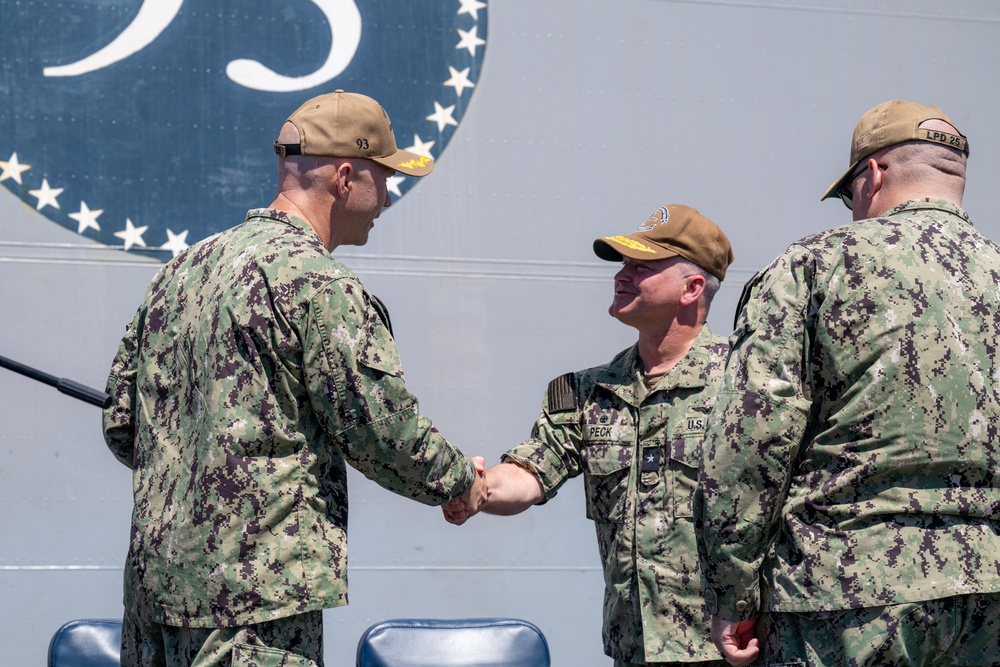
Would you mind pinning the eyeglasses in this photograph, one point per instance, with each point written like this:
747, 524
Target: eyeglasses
845, 193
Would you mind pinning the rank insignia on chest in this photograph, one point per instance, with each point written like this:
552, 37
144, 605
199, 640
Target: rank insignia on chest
650, 459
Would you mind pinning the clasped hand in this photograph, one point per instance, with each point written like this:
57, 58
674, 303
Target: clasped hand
459, 510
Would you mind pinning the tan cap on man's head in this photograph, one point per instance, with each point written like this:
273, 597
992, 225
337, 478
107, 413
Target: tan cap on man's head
895, 122
672, 231
350, 125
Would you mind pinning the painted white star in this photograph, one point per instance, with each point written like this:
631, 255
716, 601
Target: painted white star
650, 458
470, 40
421, 147
13, 169
132, 235
46, 195
86, 218
442, 116
177, 242
393, 184
459, 80
471, 7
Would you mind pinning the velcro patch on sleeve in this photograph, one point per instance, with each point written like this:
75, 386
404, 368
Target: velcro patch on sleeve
562, 393
383, 312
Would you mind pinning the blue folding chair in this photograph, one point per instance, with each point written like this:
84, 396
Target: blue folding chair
473, 642
87, 643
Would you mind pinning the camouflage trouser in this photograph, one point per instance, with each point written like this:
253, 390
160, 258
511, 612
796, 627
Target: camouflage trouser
960, 631
294, 641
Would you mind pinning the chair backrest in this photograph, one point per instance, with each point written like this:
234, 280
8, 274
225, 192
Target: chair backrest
471, 642
87, 643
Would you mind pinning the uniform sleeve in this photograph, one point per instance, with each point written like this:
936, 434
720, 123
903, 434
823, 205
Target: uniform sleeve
355, 383
754, 434
118, 418
552, 452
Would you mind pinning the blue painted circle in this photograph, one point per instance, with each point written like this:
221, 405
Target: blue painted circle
164, 139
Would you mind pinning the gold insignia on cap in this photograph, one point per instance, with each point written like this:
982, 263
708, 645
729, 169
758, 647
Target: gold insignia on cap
630, 243
414, 164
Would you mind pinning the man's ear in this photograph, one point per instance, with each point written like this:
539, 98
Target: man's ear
875, 181
343, 178
694, 287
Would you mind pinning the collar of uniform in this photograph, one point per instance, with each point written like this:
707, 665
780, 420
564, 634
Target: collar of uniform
623, 376
689, 373
928, 204
274, 215
620, 376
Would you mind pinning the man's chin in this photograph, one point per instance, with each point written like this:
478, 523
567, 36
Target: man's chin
619, 304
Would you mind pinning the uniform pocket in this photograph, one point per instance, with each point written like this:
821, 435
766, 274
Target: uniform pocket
685, 457
378, 349
245, 655
683, 480
606, 473
377, 356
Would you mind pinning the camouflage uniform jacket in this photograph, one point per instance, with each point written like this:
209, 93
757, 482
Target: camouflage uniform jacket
639, 458
853, 456
254, 368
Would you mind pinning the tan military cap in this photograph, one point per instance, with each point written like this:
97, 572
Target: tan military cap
891, 123
350, 125
671, 231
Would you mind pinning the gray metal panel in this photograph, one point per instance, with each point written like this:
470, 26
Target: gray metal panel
586, 118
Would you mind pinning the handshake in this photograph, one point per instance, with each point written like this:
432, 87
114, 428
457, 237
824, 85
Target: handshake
504, 489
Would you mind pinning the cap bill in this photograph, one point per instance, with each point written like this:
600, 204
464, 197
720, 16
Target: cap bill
408, 163
613, 248
840, 182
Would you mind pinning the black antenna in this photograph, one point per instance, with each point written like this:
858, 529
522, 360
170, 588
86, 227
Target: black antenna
69, 387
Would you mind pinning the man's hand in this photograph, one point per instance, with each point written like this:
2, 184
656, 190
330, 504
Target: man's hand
507, 489
736, 640
459, 510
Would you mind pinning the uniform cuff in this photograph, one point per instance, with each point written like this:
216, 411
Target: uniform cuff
529, 464
732, 605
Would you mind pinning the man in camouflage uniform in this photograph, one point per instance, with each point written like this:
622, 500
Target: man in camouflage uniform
849, 484
255, 369
633, 429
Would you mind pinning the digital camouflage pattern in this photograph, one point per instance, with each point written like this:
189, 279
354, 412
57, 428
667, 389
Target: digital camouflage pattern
957, 630
292, 641
639, 456
255, 368
853, 457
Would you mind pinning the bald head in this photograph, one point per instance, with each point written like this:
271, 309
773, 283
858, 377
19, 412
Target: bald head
921, 160
289, 134
310, 187
340, 197
293, 170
